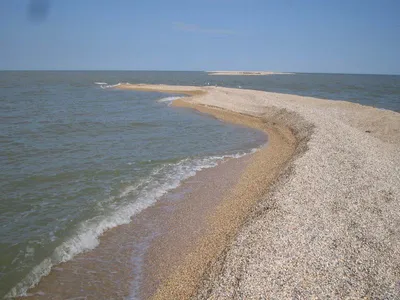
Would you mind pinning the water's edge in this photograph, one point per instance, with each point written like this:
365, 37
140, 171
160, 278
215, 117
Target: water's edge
86, 240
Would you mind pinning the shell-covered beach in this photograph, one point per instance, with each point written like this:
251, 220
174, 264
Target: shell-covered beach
328, 226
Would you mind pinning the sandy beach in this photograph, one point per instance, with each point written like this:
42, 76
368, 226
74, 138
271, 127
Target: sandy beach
314, 215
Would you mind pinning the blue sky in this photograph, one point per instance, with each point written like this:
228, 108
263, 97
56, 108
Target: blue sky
330, 36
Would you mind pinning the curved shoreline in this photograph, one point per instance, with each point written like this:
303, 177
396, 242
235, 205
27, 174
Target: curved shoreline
223, 223
328, 227
265, 166
159, 249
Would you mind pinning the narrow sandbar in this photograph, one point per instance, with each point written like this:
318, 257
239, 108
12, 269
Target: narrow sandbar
247, 73
328, 226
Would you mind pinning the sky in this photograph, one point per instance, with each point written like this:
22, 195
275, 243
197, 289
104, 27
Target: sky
321, 36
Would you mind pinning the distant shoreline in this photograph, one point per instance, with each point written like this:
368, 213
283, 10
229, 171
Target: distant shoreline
247, 73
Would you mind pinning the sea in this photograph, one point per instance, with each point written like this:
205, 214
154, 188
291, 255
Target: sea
78, 157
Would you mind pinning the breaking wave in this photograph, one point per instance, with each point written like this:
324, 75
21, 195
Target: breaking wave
136, 198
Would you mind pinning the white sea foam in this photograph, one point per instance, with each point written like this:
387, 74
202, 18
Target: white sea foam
169, 100
105, 85
110, 86
137, 198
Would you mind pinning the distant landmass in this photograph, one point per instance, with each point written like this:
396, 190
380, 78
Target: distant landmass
247, 73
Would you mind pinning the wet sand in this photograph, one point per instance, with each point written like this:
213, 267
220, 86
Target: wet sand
132, 260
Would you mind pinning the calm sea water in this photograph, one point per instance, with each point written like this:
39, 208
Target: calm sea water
77, 159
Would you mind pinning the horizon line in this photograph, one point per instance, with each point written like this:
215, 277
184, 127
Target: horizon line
204, 71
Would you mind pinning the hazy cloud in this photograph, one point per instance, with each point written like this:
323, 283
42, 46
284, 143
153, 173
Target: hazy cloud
197, 28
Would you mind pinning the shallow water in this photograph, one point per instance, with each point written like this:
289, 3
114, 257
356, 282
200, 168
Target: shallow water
77, 158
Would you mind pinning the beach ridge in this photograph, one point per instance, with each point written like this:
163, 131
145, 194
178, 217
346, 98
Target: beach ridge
316, 231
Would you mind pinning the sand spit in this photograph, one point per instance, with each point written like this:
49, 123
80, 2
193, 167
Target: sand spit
329, 227
173, 89
247, 73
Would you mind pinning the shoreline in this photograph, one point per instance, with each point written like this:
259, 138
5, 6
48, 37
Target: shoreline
328, 227
157, 260
265, 166
313, 214
223, 223
191, 205
132, 259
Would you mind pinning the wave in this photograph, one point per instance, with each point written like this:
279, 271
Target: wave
110, 86
105, 85
169, 100
145, 193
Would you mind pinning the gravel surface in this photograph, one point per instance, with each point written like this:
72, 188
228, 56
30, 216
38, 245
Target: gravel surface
330, 229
